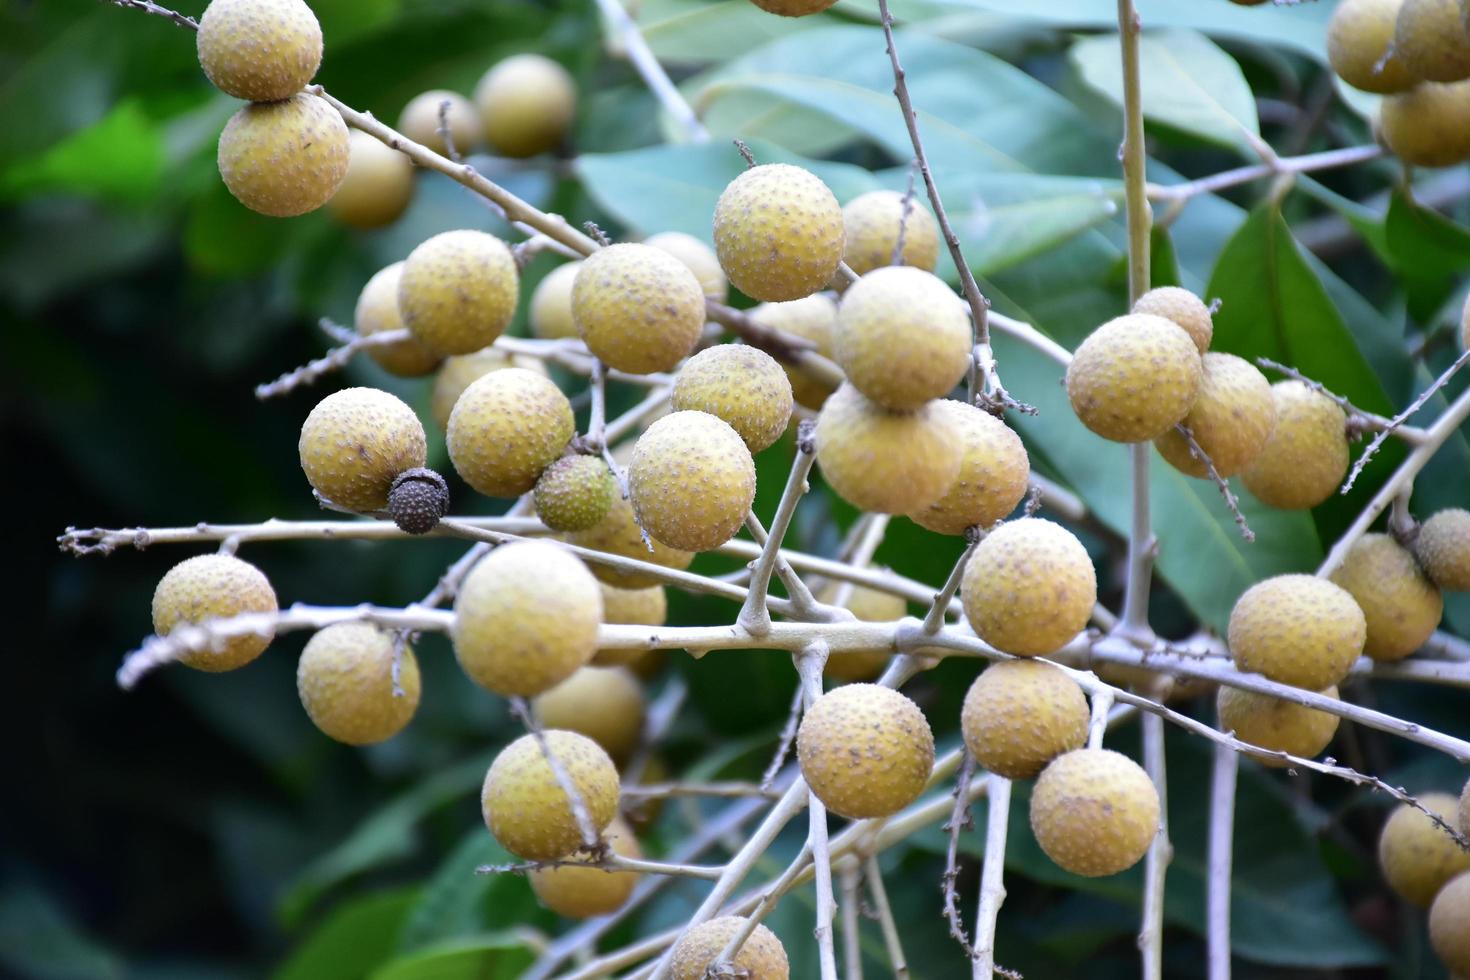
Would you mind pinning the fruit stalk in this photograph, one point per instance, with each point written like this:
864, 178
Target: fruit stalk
1160, 852
755, 614
653, 73
992, 875
891, 939
1222, 839
809, 664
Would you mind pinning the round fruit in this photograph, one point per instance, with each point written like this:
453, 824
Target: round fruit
551, 304
355, 442
794, 8
700, 259
580, 893
691, 481
1431, 40
1359, 42
1021, 714
209, 587
259, 50
1298, 630
1443, 548
378, 185
459, 291
885, 461
1449, 924
1401, 606
345, 682
525, 806
1029, 587
1182, 307
865, 750
1306, 457
993, 477
1274, 724
420, 121
778, 232
284, 158
1416, 854
1231, 420
526, 618
870, 606
459, 372
871, 224
603, 703
638, 308
575, 493
902, 336
1094, 812
811, 318
526, 103
1429, 125
760, 957
1135, 377
619, 534
637, 607
741, 385
506, 428
377, 312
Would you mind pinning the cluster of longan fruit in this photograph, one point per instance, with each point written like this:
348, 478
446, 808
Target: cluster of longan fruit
1427, 867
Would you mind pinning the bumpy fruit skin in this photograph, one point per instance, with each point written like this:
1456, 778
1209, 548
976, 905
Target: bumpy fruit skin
691, 481
1306, 457
794, 8
1449, 924
1443, 549
526, 618
994, 470
1135, 377
345, 681
870, 606
700, 259
214, 587
526, 103
811, 318
604, 703
1298, 630
741, 385
1094, 812
459, 372
865, 750
1029, 587
1231, 420
1401, 606
1429, 125
506, 428
525, 807
551, 304
871, 223
259, 50
761, 957
778, 232
902, 337
580, 893
284, 158
638, 308
619, 534
1021, 714
574, 493
1431, 40
884, 461
378, 185
1275, 724
1358, 37
459, 290
419, 121
1417, 856
642, 607
377, 312
355, 442
1182, 307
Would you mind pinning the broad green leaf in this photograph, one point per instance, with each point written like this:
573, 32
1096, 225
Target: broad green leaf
1428, 251
498, 956
38, 939
120, 158
682, 32
455, 901
355, 937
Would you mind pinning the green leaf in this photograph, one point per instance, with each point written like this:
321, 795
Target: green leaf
455, 900
498, 956
355, 937
687, 32
38, 939
1428, 251
119, 158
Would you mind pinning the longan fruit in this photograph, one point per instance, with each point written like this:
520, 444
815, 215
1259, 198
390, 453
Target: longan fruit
637, 307
525, 807
1029, 587
1182, 307
902, 337
1094, 812
691, 481
581, 893
1274, 724
377, 187
575, 493
741, 385
993, 477
345, 681
457, 373
1443, 549
700, 259
209, 587
1021, 714
870, 606
1416, 855
353, 444
551, 304
871, 222
284, 158
1449, 924
778, 232
1231, 420
1306, 456
1135, 377
865, 750
259, 50
811, 318
526, 618
1360, 39
639, 607
526, 104
793, 8
761, 957
604, 703
507, 427
620, 534
459, 291
1431, 40
377, 312
419, 121
884, 461
1429, 125
1298, 630
1401, 606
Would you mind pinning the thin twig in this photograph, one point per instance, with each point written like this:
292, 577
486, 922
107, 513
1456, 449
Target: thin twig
1307, 163
1221, 484
754, 614
724, 790
1359, 419
992, 875
934, 618
609, 861
1402, 417
1222, 834
652, 72
810, 662
891, 938
850, 880
591, 839
147, 7
1160, 853
332, 360
787, 737
1097, 726
959, 819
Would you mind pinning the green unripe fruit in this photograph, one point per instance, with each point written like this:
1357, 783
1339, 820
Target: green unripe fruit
741, 385
691, 481
284, 158
793, 8
1401, 606
1231, 420
1443, 549
778, 232
811, 318
526, 618
506, 428
902, 336
761, 957
1306, 456
1274, 724
526, 104
524, 805
1298, 630
377, 187
870, 606
1431, 40
993, 477
459, 372
345, 682
1182, 307
641, 607
871, 224
551, 304
259, 50
700, 259
377, 312
575, 493
1449, 924
1359, 38
865, 750
459, 291
885, 461
581, 893
638, 308
1021, 714
1094, 812
214, 587
619, 534
355, 442
1029, 587
604, 703
1135, 377
1429, 125
420, 121
1418, 856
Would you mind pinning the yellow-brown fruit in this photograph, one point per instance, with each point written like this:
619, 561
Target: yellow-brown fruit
1431, 40
527, 810
1231, 420
1029, 587
214, 587
526, 618
1094, 812
638, 607
259, 50
1298, 630
793, 8
741, 385
355, 442
871, 222
619, 534
1449, 924
526, 104
870, 606
761, 957
700, 259
603, 703
575, 493
994, 470
1306, 457
551, 304
638, 308
811, 318
691, 481
1274, 724
1182, 307
1429, 125
458, 291
377, 312
420, 121
506, 428
378, 185
902, 337
778, 232
580, 893
1021, 714
459, 372
1417, 855
345, 681
1135, 377
1443, 549
284, 158
1359, 38
865, 750
1401, 606
885, 461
